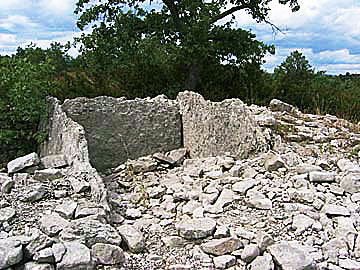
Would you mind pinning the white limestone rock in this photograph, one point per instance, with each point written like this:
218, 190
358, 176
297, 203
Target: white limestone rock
23, 162
196, 228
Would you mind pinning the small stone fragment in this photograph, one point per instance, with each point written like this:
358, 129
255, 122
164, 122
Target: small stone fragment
289, 257
335, 210
351, 183
250, 252
37, 266
224, 261
52, 224
133, 238
77, 256
196, 228
66, 209
33, 193
264, 262
221, 246
349, 264
45, 255
23, 162
316, 176
273, 162
6, 214
10, 252
243, 186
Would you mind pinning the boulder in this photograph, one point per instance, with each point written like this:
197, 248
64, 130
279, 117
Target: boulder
130, 128
216, 128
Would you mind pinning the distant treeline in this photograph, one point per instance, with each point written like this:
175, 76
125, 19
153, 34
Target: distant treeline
27, 77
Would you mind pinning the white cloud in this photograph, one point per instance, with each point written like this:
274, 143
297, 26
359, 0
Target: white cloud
6, 5
57, 7
14, 22
7, 38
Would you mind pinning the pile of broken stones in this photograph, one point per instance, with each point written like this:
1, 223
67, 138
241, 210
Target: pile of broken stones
296, 207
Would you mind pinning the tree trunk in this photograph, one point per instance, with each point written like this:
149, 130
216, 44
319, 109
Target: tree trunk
193, 77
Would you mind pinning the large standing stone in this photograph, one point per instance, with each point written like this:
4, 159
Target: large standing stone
23, 162
118, 129
214, 128
77, 256
196, 228
10, 252
289, 257
66, 137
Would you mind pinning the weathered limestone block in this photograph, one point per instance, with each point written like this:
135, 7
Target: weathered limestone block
215, 128
66, 137
23, 162
117, 129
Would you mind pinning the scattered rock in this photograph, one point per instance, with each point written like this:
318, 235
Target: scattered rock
20, 163
132, 237
108, 254
77, 256
224, 261
288, 257
221, 246
10, 253
196, 228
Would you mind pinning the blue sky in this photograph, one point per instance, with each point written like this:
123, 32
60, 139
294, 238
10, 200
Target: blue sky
327, 32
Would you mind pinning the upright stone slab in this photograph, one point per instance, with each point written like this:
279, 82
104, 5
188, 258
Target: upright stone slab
67, 137
117, 129
215, 128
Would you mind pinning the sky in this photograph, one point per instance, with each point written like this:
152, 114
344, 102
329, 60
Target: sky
327, 32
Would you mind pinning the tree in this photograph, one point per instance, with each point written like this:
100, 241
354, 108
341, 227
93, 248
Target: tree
190, 34
23, 88
293, 79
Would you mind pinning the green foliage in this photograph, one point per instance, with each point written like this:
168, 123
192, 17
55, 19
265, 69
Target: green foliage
293, 79
295, 82
23, 88
175, 43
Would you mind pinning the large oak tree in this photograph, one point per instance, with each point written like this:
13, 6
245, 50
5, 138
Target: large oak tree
190, 34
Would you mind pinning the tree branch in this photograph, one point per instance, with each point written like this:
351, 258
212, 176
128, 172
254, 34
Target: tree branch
228, 12
173, 10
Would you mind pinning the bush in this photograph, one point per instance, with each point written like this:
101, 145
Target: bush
23, 88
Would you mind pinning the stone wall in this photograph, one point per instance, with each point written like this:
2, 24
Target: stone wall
117, 129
